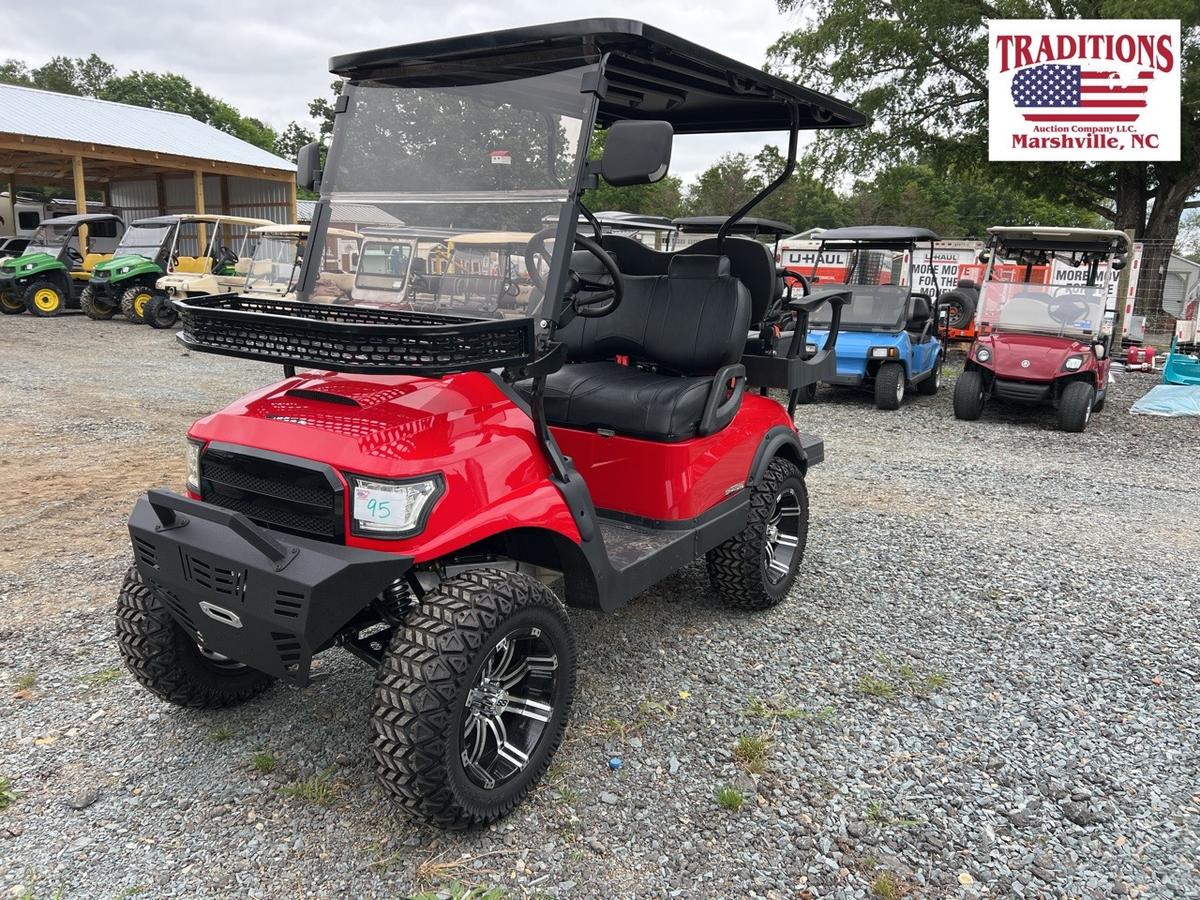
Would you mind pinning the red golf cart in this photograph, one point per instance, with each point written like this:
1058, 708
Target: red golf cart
1044, 322
439, 485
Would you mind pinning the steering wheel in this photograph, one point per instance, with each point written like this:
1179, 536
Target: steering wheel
75, 258
225, 257
1068, 309
605, 296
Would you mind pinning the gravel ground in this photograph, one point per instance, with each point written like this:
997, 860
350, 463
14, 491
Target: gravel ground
986, 682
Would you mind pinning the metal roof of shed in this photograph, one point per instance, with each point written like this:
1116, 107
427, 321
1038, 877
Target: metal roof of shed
65, 117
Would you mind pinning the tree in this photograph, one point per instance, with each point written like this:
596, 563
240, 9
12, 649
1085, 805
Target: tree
291, 139
721, 188
918, 73
85, 77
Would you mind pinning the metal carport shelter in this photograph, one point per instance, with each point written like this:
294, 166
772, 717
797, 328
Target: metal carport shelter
146, 161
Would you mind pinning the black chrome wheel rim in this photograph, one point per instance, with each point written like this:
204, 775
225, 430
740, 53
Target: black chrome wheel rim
782, 540
508, 708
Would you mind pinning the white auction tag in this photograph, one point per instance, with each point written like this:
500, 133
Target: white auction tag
381, 507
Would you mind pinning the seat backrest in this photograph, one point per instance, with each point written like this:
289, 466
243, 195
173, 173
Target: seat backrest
922, 311
750, 262
692, 320
92, 259
634, 257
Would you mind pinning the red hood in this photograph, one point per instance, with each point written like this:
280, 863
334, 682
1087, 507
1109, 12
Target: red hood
1031, 357
390, 426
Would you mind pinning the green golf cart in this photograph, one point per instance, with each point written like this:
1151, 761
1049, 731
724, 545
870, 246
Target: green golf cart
125, 283
52, 274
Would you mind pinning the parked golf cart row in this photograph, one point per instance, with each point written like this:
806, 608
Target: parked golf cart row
97, 264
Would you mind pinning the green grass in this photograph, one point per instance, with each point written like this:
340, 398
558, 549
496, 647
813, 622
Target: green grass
886, 887
459, 891
264, 762
221, 733
318, 788
7, 795
773, 708
874, 686
893, 679
751, 752
877, 814
26, 681
730, 798
105, 676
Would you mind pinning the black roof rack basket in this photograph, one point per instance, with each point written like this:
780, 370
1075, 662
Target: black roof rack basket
352, 338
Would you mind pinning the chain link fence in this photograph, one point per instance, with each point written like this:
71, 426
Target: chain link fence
1166, 283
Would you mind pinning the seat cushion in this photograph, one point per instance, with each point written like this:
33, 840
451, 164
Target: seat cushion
626, 400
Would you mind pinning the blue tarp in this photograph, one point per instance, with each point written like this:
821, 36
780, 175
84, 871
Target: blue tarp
1169, 400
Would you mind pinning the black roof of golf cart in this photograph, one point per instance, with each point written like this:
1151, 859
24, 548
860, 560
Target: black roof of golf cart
747, 225
884, 237
650, 74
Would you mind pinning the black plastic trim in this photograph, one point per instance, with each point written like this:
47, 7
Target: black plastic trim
808, 449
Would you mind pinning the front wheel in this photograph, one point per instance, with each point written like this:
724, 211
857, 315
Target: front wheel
969, 395
11, 304
160, 313
134, 302
1075, 406
167, 661
93, 307
45, 298
472, 697
757, 567
889, 386
1100, 398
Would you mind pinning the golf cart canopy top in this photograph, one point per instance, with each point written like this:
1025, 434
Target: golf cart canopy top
155, 220
631, 221
302, 231
886, 237
493, 239
1084, 240
219, 220
649, 74
747, 225
59, 221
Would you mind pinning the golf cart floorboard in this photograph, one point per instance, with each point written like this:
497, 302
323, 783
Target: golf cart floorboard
629, 544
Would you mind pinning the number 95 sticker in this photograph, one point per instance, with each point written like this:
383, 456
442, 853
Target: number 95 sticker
380, 507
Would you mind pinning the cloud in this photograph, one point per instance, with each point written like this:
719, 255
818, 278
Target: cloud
270, 58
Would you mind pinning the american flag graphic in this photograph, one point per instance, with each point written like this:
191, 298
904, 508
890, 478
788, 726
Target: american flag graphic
1075, 94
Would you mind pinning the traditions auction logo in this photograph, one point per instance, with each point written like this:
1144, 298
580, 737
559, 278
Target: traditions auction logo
1083, 89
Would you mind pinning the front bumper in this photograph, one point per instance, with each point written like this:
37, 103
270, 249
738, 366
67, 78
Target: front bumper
846, 380
270, 601
1021, 391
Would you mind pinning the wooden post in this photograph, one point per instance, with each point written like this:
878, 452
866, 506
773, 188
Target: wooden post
12, 202
201, 229
160, 194
1122, 290
225, 208
292, 201
80, 201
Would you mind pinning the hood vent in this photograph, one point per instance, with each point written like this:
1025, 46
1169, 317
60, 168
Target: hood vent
327, 396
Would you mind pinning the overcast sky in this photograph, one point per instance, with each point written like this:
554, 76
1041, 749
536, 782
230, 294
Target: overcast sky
270, 58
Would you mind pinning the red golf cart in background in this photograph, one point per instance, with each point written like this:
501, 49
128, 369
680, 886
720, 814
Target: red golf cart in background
443, 483
1044, 322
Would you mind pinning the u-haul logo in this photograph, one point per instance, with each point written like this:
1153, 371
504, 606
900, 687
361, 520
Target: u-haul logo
1083, 89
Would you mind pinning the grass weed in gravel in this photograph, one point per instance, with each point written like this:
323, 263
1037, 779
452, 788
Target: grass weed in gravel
1045, 581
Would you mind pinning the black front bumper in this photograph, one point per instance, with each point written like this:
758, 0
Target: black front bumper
1021, 391
268, 600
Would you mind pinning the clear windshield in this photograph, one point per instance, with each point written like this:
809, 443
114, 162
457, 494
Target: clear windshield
276, 263
432, 163
51, 238
144, 240
1042, 308
877, 303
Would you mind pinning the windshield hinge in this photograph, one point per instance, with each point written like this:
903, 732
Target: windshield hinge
594, 82
341, 104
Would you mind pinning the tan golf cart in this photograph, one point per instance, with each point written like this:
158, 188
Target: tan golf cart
278, 252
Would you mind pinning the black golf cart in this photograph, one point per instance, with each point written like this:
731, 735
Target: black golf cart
443, 484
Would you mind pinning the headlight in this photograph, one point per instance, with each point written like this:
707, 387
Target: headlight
1073, 363
392, 508
122, 270
27, 267
810, 348
983, 354
193, 466
883, 352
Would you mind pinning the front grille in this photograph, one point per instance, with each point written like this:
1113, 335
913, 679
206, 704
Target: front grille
298, 498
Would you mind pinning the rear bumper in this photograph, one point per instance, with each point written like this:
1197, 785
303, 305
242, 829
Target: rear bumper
270, 601
1021, 391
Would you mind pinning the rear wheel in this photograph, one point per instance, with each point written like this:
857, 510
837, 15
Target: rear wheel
1075, 406
168, 662
134, 302
889, 386
472, 697
756, 568
929, 385
11, 304
969, 395
94, 307
160, 313
807, 394
45, 298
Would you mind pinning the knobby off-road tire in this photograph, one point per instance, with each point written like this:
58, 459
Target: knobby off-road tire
929, 385
93, 307
1075, 406
969, 396
889, 386
134, 302
11, 304
435, 676
740, 570
160, 313
45, 299
167, 662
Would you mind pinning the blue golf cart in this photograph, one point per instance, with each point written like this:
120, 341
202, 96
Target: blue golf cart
889, 339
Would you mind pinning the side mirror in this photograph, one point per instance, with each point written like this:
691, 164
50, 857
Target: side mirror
1119, 263
1099, 350
636, 153
308, 166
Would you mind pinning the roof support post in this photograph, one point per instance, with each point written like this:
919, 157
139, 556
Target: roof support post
788, 168
292, 201
80, 201
201, 228
160, 194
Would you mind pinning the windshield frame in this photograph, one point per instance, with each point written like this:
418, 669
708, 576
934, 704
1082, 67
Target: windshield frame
163, 246
567, 197
57, 249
